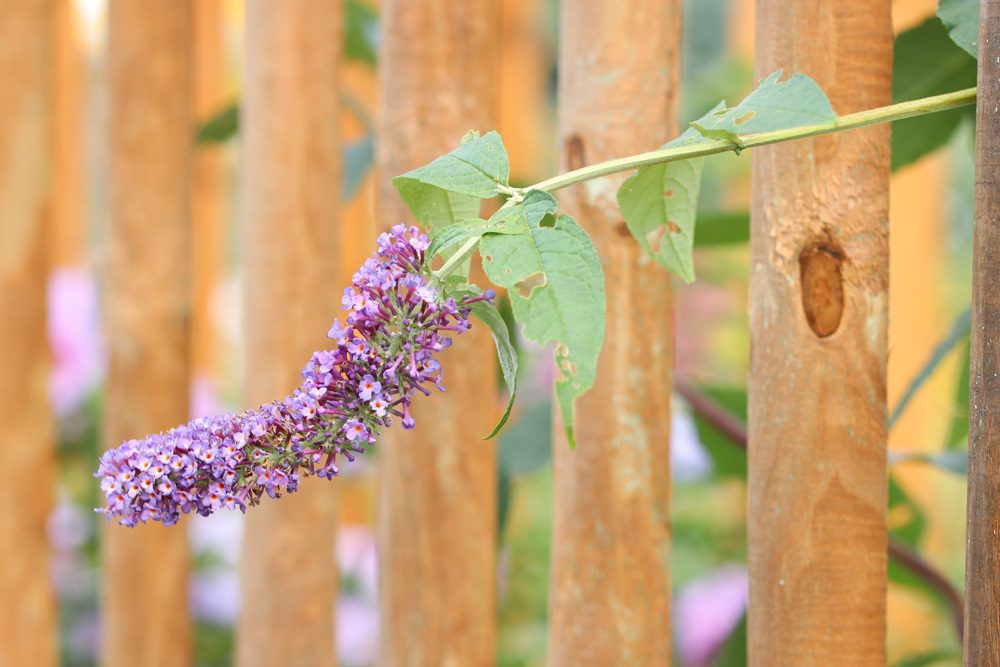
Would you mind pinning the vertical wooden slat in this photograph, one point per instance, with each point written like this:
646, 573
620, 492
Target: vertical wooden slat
982, 571
148, 306
26, 440
437, 483
67, 239
291, 177
610, 591
208, 186
818, 306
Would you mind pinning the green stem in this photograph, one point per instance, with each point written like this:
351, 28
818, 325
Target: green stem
713, 146
707, 146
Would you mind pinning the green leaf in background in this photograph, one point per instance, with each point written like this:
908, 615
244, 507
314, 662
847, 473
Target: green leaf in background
733, 652
927, 62
774, 105
958, 432
360, 31
556, 288
909, 521
358, 158
728, 459
931, 658
221, 127
506, 354
659, 203
953, 461
961, 18
722, 228
959, 331
449, 189
526, 445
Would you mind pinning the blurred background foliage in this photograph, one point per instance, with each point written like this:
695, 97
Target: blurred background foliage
932, 158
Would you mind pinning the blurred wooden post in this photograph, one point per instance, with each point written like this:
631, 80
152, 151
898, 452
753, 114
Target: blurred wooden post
609, 599
437, 483
291, 184
67, 239
29, 618
148, 306
818, 306
982, 571
208, 187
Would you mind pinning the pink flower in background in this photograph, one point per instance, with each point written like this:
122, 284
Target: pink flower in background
707, 610
74, 337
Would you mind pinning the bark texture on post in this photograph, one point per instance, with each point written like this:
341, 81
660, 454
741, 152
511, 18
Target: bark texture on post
291, 185
610, 590
437, 483
148, 308
818, 306
982, 571
28, 618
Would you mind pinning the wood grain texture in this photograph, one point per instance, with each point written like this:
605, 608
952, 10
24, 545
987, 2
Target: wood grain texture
148, 308
609, 600
982, 571
818, 316
291, 186
26, 440
437, 483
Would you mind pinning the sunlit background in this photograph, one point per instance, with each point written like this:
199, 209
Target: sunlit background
931, 230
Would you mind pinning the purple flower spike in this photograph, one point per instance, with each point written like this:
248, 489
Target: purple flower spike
385, 352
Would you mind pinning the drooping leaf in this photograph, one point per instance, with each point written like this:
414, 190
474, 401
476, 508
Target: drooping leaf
927, 62
659, 203
721, 228
448, 189
556, 288
221, 127
774, 105
958, 332
506, 354
961, 18
360, 31
958, 431
358, 158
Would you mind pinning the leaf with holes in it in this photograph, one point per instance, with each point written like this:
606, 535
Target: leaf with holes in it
556, 288
961, 18
659, 205
449, 188
509, 219
775, 105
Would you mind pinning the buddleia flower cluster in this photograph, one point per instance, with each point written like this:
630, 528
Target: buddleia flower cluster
398, 320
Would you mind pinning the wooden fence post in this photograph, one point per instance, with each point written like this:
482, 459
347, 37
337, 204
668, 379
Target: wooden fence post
67, 236
148, 303
291, 185
437, 484
29, 618
818, 305
609, 597
982, 570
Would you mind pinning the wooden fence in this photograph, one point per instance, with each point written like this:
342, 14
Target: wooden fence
819, 297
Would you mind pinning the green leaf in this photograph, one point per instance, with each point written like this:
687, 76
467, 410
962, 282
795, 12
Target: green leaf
910, 518
360, 31
927, 62
733, 652
930, 658
509, 219
728, 459
959, 331
358, 158
958, 432
961, 18
506, 354
448, 189
722, 228
526, 445
556, 287
775, 105
952, 460
221, 127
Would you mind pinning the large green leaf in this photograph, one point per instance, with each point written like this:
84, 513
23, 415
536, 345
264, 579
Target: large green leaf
961, 17
659, 203
509, 219
775, 104
556, 287
506, 354
927, 62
